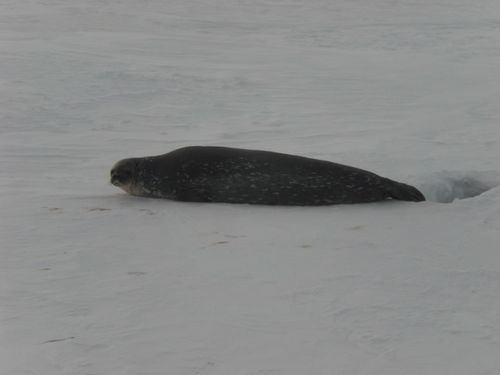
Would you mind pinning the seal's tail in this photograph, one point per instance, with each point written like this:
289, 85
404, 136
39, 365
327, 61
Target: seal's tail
404, 192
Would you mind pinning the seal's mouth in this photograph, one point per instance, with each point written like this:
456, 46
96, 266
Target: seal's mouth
115, 181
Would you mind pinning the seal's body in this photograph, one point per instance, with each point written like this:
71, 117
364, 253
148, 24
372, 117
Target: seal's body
231, 175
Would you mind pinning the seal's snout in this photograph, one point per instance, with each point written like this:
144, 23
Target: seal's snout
114, 178
119, 177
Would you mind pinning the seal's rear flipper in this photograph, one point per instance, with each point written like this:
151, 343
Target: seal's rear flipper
404, 192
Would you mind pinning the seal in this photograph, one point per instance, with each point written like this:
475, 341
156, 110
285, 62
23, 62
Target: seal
232, 175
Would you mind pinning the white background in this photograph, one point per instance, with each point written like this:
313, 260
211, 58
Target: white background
93, 281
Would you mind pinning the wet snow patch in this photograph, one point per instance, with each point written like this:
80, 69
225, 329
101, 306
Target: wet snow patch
448, 186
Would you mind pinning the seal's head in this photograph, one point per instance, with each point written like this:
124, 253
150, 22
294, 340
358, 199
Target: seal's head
124, 174
144, 177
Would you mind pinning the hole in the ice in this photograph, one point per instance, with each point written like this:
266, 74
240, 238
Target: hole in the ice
448, 186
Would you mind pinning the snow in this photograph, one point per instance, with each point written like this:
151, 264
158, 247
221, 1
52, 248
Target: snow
94, 281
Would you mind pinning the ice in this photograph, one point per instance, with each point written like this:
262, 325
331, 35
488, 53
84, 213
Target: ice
94, 281
448, 186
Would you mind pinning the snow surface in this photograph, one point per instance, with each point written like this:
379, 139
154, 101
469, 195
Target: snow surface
97, 282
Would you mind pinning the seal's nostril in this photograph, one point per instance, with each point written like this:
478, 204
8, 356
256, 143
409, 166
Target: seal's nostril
117, 175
